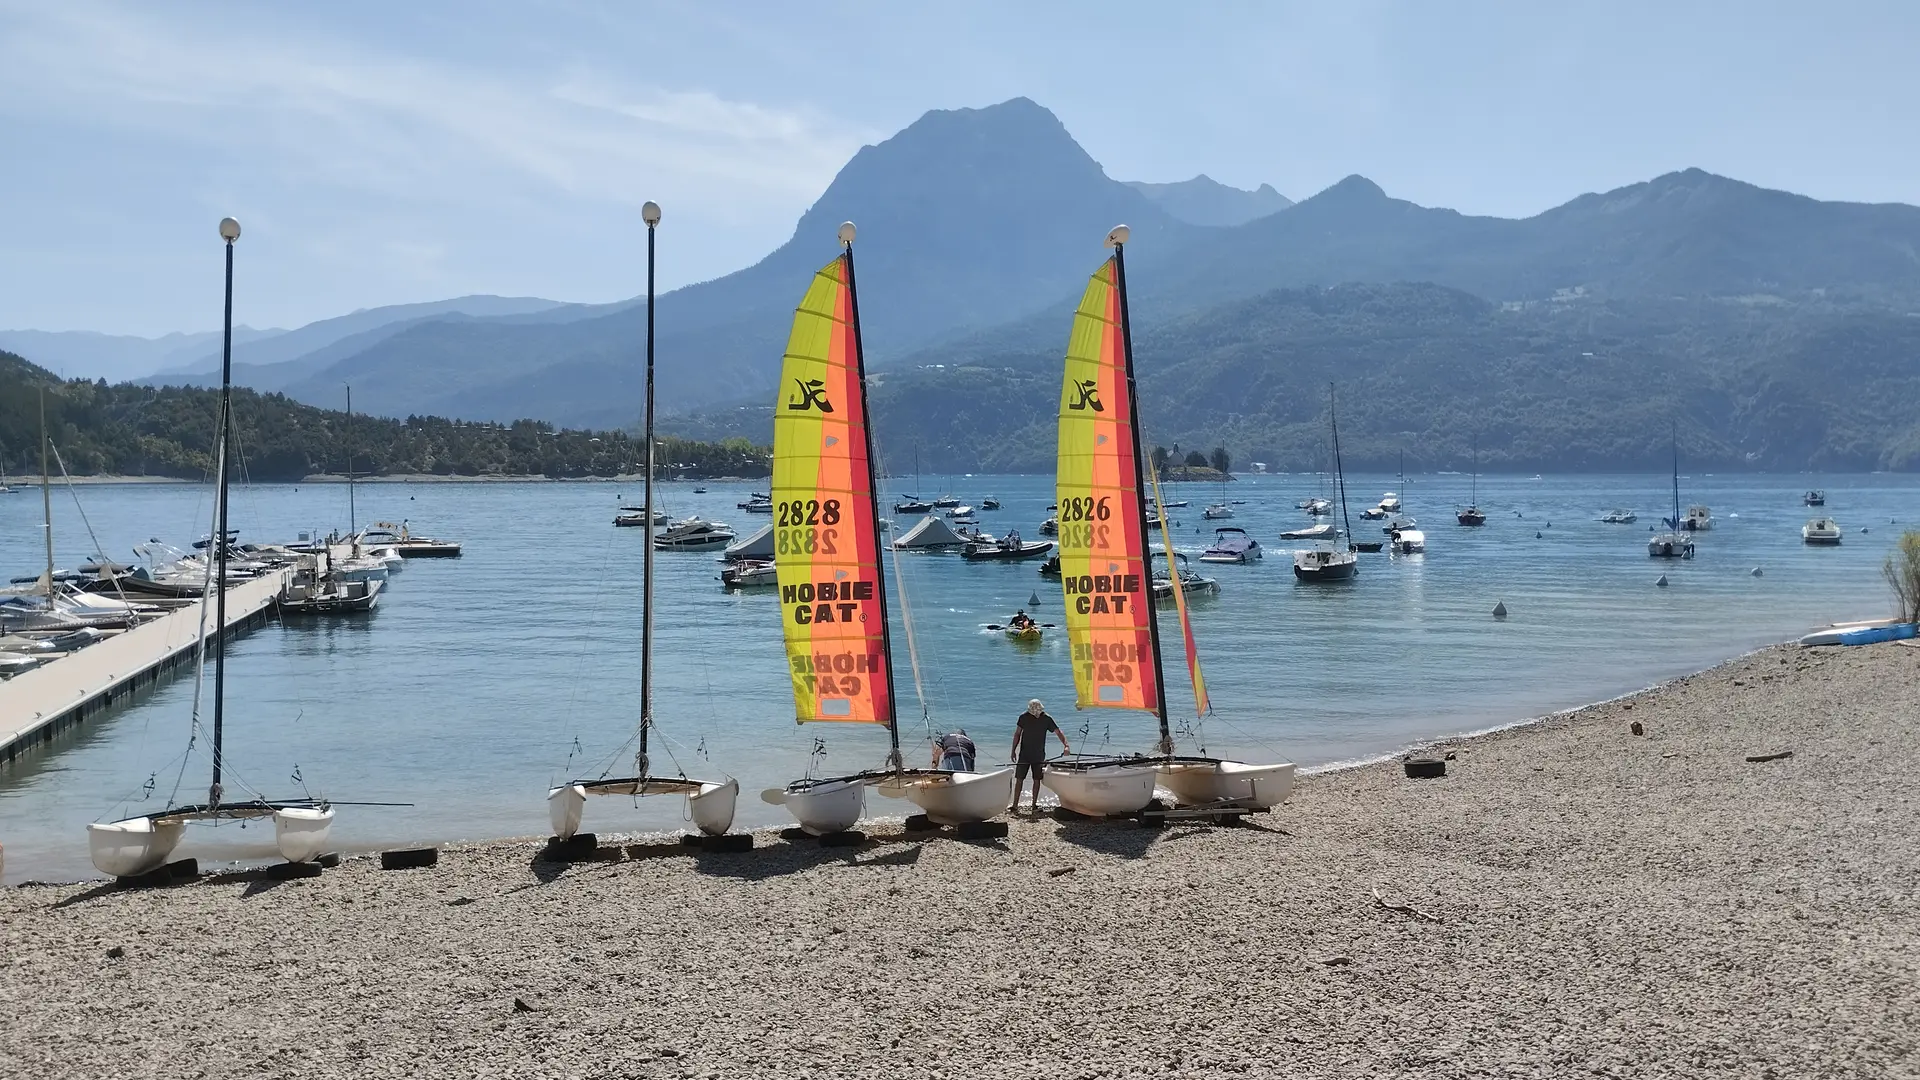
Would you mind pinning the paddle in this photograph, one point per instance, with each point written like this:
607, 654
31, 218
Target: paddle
997, 626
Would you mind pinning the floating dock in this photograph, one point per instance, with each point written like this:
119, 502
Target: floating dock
37, 705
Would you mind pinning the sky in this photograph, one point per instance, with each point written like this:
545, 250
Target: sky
379, 153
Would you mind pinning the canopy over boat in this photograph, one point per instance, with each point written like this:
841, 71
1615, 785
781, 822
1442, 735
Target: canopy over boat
931, 532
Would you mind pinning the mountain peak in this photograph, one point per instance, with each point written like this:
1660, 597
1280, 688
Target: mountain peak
1355, 188
1206, 201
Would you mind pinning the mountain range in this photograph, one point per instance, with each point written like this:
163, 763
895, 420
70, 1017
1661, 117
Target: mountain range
977, 228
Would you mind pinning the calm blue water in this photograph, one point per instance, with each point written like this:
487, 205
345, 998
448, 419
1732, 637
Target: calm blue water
467, 692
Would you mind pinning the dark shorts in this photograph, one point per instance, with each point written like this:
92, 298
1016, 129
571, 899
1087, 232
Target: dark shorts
1020, 770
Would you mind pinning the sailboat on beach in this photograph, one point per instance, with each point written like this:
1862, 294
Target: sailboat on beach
710, 803
137, 845
1112, 631
827, 554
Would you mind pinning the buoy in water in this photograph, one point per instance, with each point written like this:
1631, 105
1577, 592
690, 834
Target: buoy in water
1662, 582
1500, 609
1755, 572
1539, 535
1033, 599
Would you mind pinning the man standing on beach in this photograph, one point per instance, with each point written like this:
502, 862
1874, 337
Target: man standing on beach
1030, 749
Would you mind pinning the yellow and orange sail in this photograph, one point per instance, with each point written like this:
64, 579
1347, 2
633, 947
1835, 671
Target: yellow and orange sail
1103, 552
826, 543
1200, 703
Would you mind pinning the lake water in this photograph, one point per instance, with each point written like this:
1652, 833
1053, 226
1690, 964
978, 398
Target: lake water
480, 681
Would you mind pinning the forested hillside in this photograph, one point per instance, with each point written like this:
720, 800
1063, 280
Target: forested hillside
146, 431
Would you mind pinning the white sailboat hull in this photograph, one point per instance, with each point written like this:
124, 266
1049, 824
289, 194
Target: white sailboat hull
1235, 783
825, 808
132, 847
710, 805
960, 797
301, 832
1120, 788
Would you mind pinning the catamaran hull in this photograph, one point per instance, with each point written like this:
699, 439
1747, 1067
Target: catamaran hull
710, 805
825, 808
1102, 789
301, 832
1232, 783
133, 847
960, 797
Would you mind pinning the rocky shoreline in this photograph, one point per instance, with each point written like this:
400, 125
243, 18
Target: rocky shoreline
1571, 899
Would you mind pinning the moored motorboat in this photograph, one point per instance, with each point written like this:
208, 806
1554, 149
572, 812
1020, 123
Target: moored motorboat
1698, 519
633, 517
749, 574
1191, 580
1325, 530
1815, 498
1232, 544
1006, 550
1409, 542
1821, 530
1217, 511
1620, 516
694, 534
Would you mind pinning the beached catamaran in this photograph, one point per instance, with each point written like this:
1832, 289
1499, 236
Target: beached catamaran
137, 845
1111, 628
827, 553
710, 803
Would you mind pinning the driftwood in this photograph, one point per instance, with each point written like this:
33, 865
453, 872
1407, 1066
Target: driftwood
1756, 758
1380, 901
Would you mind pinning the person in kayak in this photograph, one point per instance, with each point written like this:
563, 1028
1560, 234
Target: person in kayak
1030, 749
1020, 621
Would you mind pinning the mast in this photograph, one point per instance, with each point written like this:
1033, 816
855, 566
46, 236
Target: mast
353, 519
1673, 434
879, 564
46, 498
1118, 238
1339, 475
650, 213
229, 231
1476, 473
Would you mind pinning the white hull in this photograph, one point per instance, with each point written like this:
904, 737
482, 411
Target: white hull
301, 832
1103, 789
1256, 787
710, 806
961, 796
133, 847
822, 809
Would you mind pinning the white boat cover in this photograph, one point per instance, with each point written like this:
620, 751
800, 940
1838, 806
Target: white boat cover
931, 532
757, 546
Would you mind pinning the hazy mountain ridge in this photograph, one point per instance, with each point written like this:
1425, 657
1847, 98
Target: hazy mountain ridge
1205, 201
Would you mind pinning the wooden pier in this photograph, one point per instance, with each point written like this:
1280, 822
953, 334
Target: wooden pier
37, 705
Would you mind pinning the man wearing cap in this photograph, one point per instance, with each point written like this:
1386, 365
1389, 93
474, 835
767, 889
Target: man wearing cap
1030, 749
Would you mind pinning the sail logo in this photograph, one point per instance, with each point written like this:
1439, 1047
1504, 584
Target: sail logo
1102, 594
812, 394
1086, 396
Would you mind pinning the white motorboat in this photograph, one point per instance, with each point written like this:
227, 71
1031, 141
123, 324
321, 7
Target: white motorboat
1399, 523
1620, 516
1191, 581
955, 798
1821, 530
1389, 504
633, 517
1373, 513
1228, 783
1409, 542
1814, 497
1100, 788
1217, 512
1325, 530
1698, 519
13, 663
694, 534
961, 511
1231, 544
750, 574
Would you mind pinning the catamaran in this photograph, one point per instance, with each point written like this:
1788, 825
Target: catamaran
833, 595
710, 803
1112, 632
138, 845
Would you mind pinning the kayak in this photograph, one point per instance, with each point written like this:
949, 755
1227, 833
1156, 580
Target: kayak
1031, 633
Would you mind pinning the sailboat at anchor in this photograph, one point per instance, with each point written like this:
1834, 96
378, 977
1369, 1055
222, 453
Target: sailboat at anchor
827, 553
138, 845
710, 803
1112, 627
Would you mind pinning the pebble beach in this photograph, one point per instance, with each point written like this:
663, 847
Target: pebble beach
1571, 899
